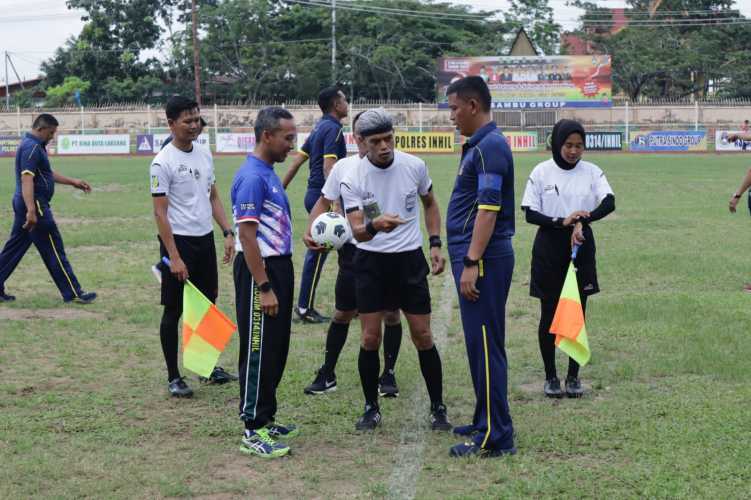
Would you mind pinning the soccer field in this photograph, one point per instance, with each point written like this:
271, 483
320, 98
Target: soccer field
83, 393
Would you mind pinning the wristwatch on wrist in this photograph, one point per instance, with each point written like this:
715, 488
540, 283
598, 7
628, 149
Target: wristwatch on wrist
265, 287
228, 232
469, 262
736, 195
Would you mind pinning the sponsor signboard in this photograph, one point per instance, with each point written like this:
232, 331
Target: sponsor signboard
410, 142
722, 144
158, 141
597, 141
521, 141
534, 82
227, 142
9, 144
145, 144
668, 140
425, 142
95, 144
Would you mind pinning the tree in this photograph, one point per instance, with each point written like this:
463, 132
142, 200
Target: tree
110, 46
61, 95
683, 48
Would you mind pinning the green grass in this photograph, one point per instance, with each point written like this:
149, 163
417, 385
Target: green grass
85, 410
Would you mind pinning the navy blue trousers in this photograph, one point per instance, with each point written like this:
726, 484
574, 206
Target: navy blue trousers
46, 238
484, 324
313, 263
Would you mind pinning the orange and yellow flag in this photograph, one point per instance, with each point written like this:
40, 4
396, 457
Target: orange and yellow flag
568, 322
206, 331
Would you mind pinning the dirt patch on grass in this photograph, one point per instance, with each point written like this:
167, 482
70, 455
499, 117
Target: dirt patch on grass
18, 314
109, 188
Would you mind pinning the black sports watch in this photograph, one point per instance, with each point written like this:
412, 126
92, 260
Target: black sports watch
227, 232
265, 287
469, 262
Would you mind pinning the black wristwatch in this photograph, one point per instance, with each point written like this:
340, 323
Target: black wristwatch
227, 232
469, 262
265, 287
435, 241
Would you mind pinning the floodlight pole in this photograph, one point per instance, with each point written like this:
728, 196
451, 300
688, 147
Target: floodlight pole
196, 51
333, 41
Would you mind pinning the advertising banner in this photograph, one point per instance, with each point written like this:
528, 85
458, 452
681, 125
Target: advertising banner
95, 144
159, 139
596, 141
425, 142
722, 144
604, 141
521, 141
235, 142
534, 82
668, 140
145, 144
9, 144
409, 142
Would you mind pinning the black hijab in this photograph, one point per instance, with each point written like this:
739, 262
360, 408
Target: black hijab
561, 131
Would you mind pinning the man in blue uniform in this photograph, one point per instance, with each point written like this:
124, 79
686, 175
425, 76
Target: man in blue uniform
324, 147
264, 282
34, 222
479, 227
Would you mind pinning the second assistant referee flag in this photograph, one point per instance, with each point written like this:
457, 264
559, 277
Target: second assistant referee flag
206, 331
568, 322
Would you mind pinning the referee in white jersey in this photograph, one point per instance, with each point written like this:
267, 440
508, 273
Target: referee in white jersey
564, 196
380, 197
185, 200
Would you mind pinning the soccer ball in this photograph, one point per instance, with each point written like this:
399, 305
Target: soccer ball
331, 230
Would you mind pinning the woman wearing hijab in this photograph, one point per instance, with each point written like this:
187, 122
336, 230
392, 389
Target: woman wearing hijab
564, 196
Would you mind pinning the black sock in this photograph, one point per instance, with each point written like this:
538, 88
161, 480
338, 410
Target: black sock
573, 368
546, 339
392, 339
430, 366
168, 335
369, 366
335, 339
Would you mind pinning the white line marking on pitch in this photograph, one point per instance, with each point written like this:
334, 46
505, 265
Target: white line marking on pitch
409, 454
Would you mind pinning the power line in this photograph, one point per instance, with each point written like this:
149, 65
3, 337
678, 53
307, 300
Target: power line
394, 12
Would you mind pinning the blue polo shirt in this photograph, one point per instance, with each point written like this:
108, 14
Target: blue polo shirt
258, 197
31, 158
325, 141
485, 181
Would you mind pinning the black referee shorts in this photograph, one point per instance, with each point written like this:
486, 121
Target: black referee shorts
199, 255
345, 292
551, 255
389, 281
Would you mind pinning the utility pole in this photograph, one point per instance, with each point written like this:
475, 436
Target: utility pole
333, 41
196, 51
7, 84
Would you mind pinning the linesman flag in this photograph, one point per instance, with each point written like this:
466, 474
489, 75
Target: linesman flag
568, 322
206, 330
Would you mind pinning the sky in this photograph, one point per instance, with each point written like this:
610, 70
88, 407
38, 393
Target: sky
25, 19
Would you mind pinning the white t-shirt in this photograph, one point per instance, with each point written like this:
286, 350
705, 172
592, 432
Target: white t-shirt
186, 180
555, 192
392, 190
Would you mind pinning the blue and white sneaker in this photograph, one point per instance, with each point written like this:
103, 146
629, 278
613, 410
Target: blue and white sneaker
279, 431
261, 444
